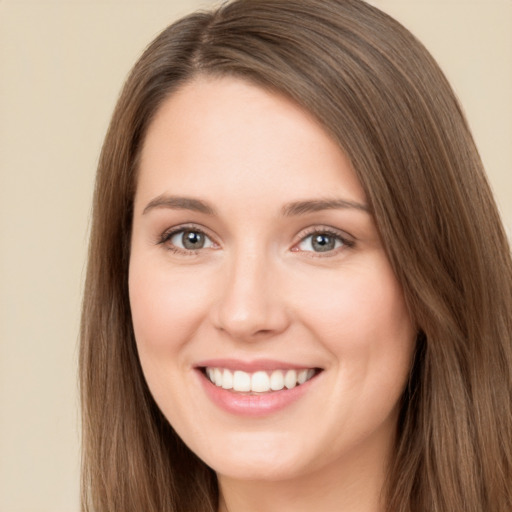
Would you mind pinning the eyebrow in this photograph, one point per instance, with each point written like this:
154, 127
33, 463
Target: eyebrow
316, 205
179, 203
288, 210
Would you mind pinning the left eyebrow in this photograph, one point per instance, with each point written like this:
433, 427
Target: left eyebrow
316, 205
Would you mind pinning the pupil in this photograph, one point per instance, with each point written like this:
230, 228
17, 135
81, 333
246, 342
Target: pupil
193, 240
322, 243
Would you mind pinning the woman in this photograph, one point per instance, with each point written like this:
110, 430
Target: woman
299, 292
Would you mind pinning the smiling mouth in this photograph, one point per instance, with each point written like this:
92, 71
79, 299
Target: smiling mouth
260, 381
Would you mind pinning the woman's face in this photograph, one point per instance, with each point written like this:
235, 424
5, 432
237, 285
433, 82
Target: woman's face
256, 263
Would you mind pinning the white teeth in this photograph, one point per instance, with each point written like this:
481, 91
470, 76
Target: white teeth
290, 379
241, 381
302, 376
276, 380
217, 376
260, 381
227, 379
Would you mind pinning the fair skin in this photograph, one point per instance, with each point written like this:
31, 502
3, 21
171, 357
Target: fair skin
254, 252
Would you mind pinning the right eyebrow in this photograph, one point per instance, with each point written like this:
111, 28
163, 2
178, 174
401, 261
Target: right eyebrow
179, 203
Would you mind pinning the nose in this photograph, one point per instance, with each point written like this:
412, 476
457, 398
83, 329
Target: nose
250, 306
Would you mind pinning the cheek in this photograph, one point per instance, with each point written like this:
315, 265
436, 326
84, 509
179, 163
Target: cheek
364, 324
166, 306
359, 315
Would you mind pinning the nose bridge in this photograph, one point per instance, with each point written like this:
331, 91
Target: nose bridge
249, 305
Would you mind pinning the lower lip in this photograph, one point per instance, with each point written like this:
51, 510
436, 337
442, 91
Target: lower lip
253, 405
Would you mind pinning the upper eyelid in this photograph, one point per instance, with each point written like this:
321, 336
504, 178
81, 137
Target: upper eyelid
348, 241
186, 227
344, 235
170, 232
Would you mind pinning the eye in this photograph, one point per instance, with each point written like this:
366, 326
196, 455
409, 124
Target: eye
322, 241
187, 240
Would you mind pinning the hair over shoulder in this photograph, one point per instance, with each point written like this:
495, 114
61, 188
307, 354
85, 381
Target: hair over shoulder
382, 97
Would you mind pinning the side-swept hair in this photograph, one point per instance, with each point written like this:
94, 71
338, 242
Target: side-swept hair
379, 93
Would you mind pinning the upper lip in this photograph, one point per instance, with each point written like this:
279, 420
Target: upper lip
251, 366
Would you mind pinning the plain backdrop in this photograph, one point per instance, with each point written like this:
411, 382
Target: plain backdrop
62, 64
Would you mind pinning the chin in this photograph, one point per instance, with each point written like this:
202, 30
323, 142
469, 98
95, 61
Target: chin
263, 461
256, 471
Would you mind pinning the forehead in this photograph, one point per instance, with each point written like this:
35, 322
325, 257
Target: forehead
228, 133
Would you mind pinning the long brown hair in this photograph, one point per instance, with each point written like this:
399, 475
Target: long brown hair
380, 94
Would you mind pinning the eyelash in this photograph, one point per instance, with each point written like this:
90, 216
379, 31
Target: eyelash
315, 230
346, 242
166, 236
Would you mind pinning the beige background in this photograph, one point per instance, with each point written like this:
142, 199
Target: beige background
61, 66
